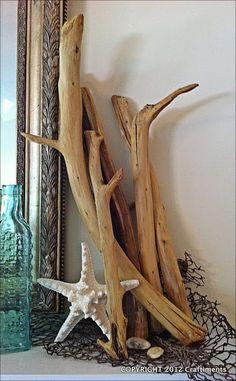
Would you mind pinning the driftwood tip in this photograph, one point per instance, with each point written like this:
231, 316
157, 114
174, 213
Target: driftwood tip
30, 137
118, 98
194, 85
114, 97
76, 23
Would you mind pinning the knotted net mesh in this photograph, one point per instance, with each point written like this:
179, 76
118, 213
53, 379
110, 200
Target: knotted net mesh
213, 359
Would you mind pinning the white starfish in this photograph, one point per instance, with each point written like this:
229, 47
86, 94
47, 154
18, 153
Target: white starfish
88, 298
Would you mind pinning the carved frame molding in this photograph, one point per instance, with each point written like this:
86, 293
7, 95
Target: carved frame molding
41, 170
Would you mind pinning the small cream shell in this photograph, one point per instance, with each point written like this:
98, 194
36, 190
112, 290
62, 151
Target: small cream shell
155, 352
137, 343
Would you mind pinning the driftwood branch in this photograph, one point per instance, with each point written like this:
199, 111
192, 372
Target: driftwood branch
144, 207
108, 169
150, 112
143, 202
172, 279
71, 145
121, 219
124, 118
116, 347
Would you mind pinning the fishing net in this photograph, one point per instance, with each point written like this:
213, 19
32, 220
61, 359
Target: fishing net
213, 359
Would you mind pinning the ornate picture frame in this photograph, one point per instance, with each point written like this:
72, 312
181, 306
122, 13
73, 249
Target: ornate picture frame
41, 169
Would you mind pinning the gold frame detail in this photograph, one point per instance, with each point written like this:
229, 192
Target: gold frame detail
41, 170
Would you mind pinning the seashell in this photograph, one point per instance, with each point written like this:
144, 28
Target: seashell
155, 352
137, 343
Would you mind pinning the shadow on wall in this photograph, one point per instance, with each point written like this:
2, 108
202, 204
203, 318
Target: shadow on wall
121, 67
117, 82
162, 147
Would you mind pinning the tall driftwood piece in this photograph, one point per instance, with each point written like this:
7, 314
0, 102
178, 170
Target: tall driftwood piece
70, 144
144, 204
121, 219
169, 267
143, 201
116, 347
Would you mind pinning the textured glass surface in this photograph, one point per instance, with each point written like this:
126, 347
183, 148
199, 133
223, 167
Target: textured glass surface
15, 274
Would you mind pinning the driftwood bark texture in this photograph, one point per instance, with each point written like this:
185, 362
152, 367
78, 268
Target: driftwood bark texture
121, 219
172, 279
144, 206
70, 144
116, 347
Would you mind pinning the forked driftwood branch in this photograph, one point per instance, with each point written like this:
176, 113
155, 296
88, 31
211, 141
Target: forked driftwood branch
139, 144
116, 346
70, 144
121, 218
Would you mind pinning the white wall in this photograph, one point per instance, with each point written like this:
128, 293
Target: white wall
144, 50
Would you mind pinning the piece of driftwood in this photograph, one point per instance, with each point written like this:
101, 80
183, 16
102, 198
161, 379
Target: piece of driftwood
70, 144
122, 224
116, 346
126, 233
142, 197
144, 203
172, 279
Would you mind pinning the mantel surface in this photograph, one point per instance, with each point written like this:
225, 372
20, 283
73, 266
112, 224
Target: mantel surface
36, 364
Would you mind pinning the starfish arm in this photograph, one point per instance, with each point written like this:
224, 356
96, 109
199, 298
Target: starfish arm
57, 285
100, 317
68, 325
87, 272
102, 293
129, 284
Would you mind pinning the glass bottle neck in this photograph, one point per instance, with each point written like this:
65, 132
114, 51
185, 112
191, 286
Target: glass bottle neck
9, 206
11, 202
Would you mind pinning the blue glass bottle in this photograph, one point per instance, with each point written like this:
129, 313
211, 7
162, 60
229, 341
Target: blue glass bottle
15, 273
